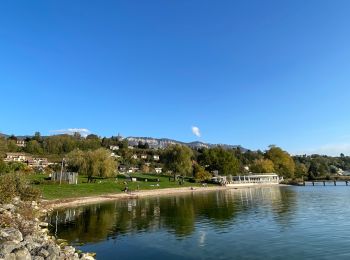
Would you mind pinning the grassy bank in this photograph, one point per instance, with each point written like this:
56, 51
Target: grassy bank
52, 190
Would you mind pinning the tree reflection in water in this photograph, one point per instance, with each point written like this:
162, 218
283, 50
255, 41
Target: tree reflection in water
177, 214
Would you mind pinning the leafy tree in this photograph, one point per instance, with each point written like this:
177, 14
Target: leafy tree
37, 137
33, 147
3, 146
178, 159
262, 166
283, 162
313, 170
92, 136
300, 170
97, 163
200, 174
12, 146
219, 159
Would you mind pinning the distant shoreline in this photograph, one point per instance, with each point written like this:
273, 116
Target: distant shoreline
80, 201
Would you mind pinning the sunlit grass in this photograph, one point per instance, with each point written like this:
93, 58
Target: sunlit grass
52, 190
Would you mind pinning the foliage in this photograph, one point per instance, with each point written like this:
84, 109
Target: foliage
96, 163
200, 174
262, 166
300, 170
220, 159
178, 159
16, 185
283, 162
12, 167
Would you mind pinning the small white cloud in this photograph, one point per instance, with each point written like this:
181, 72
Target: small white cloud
83, 131
196, 131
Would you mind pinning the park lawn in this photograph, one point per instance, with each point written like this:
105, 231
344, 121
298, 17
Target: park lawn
52, 190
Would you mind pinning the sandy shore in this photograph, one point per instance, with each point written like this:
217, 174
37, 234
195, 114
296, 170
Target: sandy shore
73, 202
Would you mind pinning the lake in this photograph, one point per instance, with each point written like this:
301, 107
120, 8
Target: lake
254, 223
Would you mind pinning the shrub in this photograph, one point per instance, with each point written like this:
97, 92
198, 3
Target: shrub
16, 185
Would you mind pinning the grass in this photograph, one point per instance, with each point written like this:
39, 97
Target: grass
51, 190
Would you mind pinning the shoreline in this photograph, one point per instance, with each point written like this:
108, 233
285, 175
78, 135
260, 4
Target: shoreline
80, 201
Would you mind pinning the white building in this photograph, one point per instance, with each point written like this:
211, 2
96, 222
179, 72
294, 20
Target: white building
156, 157
20, 143
15, 157
158, 170
37, 162
114, 147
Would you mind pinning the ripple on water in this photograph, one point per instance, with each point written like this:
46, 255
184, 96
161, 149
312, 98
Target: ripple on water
272, 223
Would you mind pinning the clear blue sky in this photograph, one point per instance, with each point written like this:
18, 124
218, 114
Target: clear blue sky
253, 73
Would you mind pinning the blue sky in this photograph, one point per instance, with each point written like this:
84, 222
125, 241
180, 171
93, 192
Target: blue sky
248, 72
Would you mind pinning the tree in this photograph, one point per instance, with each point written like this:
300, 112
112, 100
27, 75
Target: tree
300, 170
97, 163
37, 137
12, 146
313, 170
178, 159
92, 136
283, 162
219, 159
200, 174
262, 166
33, 147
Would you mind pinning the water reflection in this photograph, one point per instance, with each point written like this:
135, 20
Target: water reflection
177, 215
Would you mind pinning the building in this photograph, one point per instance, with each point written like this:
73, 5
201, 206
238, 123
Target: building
21, 143
37, 162
156, 157
143, 156
260, 178
158, 170
122, 168
114, 147
15, 157
133, 169
134, 156
115, 155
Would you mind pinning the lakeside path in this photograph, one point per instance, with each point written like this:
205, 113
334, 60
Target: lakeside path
74, 202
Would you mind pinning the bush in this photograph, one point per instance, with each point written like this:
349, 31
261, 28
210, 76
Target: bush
16, 185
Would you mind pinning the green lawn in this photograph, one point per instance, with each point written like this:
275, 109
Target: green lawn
52, 190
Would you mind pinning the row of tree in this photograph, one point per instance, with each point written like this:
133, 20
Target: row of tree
84, 153
183, 160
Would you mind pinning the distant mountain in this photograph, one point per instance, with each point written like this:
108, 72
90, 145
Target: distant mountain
3, 135
164, 142
160, 142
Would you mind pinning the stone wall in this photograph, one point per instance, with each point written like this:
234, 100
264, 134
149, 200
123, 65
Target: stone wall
23, 236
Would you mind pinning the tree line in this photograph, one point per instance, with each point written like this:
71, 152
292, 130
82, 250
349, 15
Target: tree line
91, 156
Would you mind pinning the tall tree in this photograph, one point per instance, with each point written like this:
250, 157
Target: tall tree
262, 166
220, 159
97, 163
178, 159
283, 162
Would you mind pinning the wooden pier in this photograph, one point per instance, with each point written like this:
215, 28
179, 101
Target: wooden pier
324, 182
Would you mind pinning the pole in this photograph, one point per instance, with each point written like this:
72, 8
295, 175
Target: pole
61, 171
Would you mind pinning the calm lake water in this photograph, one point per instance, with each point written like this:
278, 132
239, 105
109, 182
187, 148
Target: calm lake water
258, 223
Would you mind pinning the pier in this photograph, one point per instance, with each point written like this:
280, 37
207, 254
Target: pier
326, 183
